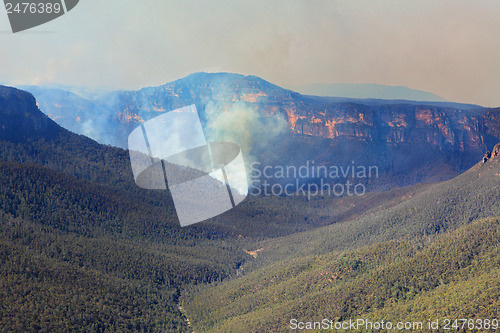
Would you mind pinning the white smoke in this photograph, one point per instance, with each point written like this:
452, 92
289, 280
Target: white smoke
244, 126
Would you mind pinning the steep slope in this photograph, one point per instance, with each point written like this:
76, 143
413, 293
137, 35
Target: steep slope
81, 247
43, 293
20, 119
433, 209
55, 279
451, 276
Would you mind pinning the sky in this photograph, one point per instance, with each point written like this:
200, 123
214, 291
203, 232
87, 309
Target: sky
450, 48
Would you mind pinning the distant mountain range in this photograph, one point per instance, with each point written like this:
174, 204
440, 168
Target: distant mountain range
103, 118
369, 91
410, 141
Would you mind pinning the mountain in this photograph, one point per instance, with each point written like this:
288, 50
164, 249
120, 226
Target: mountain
21, 119
333, 118
375, 91
409, 141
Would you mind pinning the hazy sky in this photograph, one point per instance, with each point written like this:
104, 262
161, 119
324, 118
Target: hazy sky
450, 48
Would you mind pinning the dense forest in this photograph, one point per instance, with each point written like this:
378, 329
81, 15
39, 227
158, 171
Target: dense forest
454, 275
82, 247
75, 257
430, 252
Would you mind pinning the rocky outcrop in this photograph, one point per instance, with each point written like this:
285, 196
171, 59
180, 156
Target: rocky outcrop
440, 127
492, 154
486, 156
496, 150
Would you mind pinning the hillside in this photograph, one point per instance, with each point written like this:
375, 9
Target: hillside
114, 261
454, 275
428, 210
82, 247
411, 258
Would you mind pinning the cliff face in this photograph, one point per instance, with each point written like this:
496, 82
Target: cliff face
409, 141
442, 128
20, 118
415, 141
458, 127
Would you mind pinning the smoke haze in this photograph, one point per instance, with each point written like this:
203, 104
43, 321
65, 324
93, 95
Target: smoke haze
446, 47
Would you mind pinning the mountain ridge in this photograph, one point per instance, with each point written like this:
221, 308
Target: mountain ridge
227, 88
269, 117
368, 91
22, 116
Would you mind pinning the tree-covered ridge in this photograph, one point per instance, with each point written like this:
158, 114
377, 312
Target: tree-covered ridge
40, 294
428, 210
454, 275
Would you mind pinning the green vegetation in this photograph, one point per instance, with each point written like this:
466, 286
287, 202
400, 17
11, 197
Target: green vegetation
42, 294
83, 251
81, 257
426, 210
454, 275
424, 252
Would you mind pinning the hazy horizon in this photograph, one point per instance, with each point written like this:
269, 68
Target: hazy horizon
347, 90
448, 48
